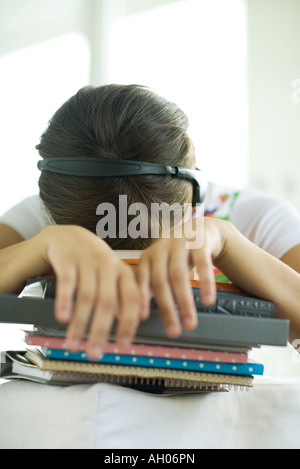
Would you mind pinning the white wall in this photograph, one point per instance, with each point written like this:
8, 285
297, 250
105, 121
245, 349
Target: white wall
44, 59
104, 14
35, 84
197, 59
274, 105
273, 67
27, 22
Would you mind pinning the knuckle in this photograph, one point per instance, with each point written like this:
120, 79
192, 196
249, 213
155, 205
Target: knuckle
85, 296
128, 323
78, 324
141, 274
167, 308
132, 296
101, 326
203, 263
107, 303
66, 278
158, 282
177, 274
99, 331
107, 259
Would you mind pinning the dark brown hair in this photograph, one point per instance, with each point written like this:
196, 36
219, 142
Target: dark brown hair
114, 121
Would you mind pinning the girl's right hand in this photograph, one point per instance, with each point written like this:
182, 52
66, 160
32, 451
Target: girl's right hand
104, 285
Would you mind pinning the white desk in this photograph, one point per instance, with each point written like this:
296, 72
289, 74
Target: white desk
110, 417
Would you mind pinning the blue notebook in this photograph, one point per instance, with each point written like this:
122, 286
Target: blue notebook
250, 368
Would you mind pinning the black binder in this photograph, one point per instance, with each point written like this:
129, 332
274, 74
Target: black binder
236, 319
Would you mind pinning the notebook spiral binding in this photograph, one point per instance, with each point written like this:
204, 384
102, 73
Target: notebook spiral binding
142, 376
170, 383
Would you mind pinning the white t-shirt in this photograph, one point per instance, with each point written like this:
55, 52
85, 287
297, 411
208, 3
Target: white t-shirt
269, 223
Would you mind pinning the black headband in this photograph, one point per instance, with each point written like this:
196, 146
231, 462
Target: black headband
105, 167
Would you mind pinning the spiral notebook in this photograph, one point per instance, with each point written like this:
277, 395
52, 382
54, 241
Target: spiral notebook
248, 368
226, 331
32, 365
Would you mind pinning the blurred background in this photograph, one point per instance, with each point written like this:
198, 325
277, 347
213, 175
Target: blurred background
232, 65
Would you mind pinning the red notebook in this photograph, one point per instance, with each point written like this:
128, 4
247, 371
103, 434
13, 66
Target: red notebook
148, 350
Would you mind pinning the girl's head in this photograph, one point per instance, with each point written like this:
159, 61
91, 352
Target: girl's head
120, 122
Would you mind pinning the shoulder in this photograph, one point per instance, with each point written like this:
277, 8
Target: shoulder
270, 223
236, 204
220, 200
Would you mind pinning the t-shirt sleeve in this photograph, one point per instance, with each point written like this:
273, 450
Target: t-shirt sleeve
269, 223
28, 217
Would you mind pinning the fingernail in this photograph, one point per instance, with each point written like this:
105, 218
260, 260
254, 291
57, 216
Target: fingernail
190, 322
94, 351
97, 351
124, 340
209, 298
144, 312
174, 329
64, 315
73, 344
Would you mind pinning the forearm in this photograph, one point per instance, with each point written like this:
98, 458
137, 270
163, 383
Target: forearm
86, 266
258, 273
20, 262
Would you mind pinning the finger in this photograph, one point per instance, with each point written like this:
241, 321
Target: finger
130, 307
205, 270
104, 312
143, 279
163, 295
179, 277
84, 305
66, 281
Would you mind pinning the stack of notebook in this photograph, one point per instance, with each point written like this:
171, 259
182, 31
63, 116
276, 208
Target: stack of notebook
213, 357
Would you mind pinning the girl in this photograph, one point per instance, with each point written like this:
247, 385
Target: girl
252, 240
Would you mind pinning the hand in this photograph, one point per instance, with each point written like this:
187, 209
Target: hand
164, 270
104, 285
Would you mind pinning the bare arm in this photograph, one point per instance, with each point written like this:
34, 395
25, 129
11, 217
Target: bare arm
292, 258
19, 260
106, 286
259, 273
165, 266
84, 264
15, 260
8, 236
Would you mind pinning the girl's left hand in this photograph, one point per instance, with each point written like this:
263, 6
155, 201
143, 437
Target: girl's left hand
164, 272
